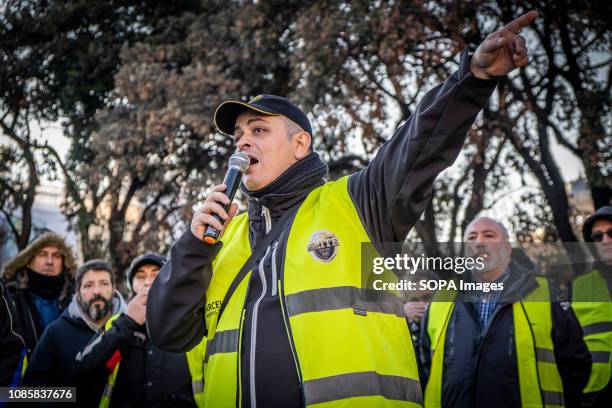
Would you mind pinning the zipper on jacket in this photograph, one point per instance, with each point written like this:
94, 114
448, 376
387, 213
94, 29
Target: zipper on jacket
482, 341
33, 326
265, 213
264, 289
8, 311
274, 278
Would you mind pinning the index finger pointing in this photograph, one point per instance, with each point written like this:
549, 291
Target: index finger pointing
523, 21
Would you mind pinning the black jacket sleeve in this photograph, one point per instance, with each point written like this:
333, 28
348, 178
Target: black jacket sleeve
571, 353
393, 190
175, 304
11, 343
43, 366
90, 364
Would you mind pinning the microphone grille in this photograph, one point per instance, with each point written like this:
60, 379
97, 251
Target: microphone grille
240, 160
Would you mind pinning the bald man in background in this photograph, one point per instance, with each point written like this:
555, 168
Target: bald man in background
483, 348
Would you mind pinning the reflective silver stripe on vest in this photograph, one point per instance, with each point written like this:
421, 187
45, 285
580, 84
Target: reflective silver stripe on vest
108, 391
600, 356
343, 297
198, 386
552, 398
225, 341
545, 355
601, 327
368, 383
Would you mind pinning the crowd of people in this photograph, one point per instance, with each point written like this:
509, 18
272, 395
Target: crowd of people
275, 313
69, 326
64, 326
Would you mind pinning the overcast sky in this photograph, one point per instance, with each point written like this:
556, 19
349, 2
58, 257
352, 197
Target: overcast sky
569, 165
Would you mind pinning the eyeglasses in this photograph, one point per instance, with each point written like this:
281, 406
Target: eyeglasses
599, 236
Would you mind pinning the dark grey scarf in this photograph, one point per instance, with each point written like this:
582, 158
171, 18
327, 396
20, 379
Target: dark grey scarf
305, 174
288, 190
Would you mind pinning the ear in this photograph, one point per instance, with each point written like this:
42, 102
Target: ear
508, 248
301, 145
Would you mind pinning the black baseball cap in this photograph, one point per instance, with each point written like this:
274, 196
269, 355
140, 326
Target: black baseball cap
226, 114
603, 213
151, 258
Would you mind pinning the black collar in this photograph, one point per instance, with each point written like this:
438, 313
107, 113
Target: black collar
287, 191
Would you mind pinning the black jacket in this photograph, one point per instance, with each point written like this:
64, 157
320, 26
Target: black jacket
390, 194
11, 343
53, 360
18, 281
480, 367
147, 377
31, 328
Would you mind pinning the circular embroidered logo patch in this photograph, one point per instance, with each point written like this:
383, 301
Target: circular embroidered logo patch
323, 246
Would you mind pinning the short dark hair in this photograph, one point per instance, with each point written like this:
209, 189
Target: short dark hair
94, 264
293, 128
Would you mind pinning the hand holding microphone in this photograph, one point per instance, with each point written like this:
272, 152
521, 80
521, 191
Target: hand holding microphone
209, 220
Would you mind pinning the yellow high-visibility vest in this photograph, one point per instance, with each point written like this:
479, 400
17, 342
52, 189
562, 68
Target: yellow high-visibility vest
110, 385
592, 303
194, 360
540, 383
348, 351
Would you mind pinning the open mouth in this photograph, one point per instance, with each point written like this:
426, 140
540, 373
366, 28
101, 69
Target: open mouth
253, 160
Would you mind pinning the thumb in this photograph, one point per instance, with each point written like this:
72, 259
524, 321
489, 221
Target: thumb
232, 211
230, 215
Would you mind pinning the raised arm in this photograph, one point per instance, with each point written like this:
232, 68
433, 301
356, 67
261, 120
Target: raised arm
394, 189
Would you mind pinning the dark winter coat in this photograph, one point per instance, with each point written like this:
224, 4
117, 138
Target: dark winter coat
147, 377
11, 343
480, 368
14, 273
53, 360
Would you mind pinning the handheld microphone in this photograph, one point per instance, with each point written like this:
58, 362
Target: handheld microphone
238, 165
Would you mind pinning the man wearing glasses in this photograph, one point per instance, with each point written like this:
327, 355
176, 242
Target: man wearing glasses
592, 302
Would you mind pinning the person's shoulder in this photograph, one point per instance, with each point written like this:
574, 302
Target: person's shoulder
52, 337
59, 325
586, 277
585, 283
337, 187
19, 296
4, 292
556, 293
8, 286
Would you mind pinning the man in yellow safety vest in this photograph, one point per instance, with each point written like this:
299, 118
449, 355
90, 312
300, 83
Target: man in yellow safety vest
592, 302
508, 347
295, 329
